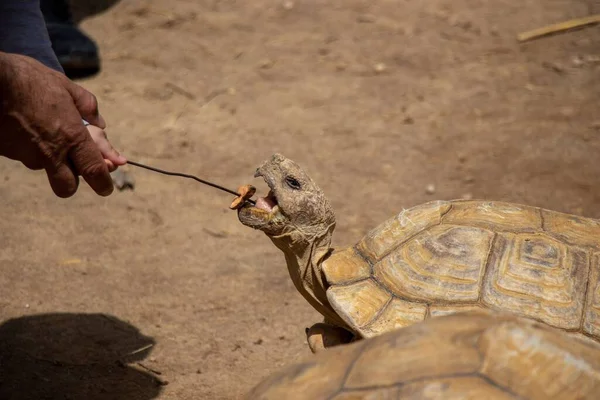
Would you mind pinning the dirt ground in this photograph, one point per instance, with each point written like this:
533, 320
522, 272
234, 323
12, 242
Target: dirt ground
388, 104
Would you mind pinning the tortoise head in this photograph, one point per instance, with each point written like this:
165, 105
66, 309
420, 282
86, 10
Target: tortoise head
294, 206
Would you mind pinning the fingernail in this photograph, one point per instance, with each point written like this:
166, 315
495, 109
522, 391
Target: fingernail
122, 159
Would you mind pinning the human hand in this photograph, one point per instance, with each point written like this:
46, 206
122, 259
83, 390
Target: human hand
40, 126
112, 158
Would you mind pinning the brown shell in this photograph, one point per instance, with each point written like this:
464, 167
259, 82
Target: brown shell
448, 256
473, 355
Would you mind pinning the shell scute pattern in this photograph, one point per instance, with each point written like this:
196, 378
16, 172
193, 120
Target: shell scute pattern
459, 255
346, 266
572, 229
475, 355
390, 234
443, 263
591, 322
496, 216
538, 277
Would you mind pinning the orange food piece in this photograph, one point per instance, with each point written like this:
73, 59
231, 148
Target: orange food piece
245, 192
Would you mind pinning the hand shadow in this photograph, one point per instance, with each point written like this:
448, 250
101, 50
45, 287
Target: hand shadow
73, 357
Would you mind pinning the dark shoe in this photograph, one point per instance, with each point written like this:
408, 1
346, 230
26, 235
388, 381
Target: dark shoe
77, 53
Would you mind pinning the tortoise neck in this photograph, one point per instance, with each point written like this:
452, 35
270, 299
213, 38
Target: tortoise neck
304, 257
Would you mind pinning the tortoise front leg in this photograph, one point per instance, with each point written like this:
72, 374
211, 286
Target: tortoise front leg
323, 335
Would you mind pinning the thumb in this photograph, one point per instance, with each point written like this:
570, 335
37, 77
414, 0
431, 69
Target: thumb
86, 103
106, 148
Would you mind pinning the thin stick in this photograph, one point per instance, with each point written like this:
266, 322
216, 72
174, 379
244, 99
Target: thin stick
154, 371
161, 171
559, 27
140, 349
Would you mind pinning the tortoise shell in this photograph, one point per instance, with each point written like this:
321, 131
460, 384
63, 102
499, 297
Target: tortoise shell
472, 355
447, 256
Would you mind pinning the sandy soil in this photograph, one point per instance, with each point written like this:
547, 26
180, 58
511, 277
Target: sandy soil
387, 103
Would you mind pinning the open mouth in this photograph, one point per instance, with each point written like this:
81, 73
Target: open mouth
267, 203
265, 214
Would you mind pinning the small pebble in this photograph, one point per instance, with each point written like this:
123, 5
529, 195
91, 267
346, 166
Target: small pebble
468, 179
567, 112
26, 305
593, 59
467, 196
288, 5
365, 18
266, 64
552, 66
577, 61
379, 67
430, 189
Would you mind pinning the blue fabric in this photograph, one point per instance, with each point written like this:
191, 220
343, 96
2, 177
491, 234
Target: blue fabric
23, 31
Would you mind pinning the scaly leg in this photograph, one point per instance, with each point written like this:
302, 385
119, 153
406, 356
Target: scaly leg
323, 335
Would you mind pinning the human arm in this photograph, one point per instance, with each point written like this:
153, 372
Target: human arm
23, 31
40, 125
41, 109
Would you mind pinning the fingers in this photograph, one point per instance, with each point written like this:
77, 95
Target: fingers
63, 181
87, 160
108, 151
87, 104
111, 167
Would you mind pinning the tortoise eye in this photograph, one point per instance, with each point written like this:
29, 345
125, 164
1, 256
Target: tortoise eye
293, 183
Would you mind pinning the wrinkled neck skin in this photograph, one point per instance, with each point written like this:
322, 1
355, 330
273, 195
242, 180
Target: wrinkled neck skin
304, 255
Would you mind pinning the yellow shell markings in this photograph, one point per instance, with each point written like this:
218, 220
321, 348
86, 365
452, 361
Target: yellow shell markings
507, 286
494, 215
591, 320
359, 302
392, 233
442, 310
519, 275
445, 263
396, 314
346, 266
464, 254
572, 229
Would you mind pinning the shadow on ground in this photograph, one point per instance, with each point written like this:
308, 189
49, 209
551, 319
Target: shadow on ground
82, 9
72, 357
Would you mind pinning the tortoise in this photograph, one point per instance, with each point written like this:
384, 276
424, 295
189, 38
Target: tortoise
468, 355
430, 260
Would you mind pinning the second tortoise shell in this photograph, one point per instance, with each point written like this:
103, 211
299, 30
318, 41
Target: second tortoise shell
444, 257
